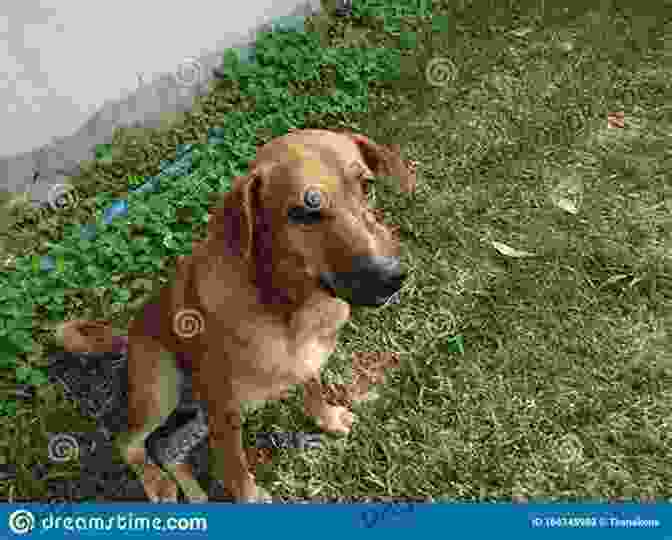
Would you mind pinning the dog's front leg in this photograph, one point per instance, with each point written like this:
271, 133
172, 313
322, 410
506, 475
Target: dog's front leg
226, 459
332, 418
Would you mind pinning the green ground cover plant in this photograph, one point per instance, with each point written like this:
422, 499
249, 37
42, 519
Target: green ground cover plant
540, 235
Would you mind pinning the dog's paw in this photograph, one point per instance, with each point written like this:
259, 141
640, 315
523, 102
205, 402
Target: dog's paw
196, 499
252, 493
262, 496
162, 490
336, 419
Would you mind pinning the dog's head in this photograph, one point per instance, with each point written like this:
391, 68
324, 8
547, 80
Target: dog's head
302, 220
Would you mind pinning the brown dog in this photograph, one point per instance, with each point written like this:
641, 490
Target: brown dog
257, 306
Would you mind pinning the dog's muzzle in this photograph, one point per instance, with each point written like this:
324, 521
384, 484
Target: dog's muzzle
372, 281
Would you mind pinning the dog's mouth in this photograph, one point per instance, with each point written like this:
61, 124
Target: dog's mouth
373, 282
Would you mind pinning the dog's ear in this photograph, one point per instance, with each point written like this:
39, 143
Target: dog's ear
385, 160
233, 221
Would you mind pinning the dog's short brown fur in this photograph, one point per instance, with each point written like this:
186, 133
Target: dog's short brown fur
256, 287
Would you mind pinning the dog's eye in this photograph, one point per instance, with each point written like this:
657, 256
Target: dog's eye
304, 216
310, 212
312, 199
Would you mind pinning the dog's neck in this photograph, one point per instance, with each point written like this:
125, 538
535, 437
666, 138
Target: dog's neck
230, 272
275, 297
275, 294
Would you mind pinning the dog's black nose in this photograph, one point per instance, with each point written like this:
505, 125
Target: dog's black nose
378, 272
371, 281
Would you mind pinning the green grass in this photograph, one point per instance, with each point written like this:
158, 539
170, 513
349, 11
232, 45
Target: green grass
563, 390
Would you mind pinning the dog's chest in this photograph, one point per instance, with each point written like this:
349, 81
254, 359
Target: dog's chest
281, 356
309, 356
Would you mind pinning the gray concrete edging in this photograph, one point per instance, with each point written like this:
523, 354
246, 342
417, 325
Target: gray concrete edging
35, 172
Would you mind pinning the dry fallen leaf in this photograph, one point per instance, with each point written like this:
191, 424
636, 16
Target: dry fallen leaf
258, 456
616, 119
509, 251
614, 279
522, 32
566, 205
567, 195
368, 369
